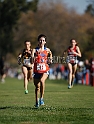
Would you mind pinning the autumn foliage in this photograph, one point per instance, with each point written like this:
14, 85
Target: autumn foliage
59, 24
25, 21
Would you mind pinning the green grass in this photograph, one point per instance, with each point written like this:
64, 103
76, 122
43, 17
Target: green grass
62, 105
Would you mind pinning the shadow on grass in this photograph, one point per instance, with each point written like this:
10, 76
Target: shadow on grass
45, 107
48, 108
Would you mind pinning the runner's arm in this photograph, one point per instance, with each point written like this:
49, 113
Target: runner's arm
50, 54
78, 53
32, 56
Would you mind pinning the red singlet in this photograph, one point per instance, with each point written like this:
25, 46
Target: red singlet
40, 63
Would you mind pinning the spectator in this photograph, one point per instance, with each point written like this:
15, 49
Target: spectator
92, 71
2, 69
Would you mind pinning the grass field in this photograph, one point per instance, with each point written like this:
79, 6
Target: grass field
62, 105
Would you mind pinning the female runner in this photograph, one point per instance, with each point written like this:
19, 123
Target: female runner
73, 51
27, 68
41, 68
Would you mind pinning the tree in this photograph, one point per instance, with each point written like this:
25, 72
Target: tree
90, 8
58, 24
10, 12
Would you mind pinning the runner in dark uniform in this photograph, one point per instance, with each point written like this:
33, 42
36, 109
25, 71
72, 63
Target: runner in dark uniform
24, 58
72, 52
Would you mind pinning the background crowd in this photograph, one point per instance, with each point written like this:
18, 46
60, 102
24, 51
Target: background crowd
84, 73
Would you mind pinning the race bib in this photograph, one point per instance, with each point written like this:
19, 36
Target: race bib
72, 59
41, 66
26, 62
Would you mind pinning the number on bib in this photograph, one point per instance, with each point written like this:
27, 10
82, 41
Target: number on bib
41, 66
26, 61
72, 59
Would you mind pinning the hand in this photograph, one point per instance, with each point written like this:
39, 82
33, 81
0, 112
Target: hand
72, 51
19, 60
49, 61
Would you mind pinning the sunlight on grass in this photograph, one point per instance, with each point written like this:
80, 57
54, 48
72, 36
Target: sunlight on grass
62, 105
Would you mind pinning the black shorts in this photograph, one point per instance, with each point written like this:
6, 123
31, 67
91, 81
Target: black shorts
73, 64
28, 68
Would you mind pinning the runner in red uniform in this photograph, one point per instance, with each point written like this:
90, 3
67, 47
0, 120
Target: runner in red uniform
73, 51
41, 68
24, 58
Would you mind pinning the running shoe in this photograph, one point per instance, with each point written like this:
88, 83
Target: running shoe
72, 86
69, 87
41, 101
3, 80
26, 91
37, 104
